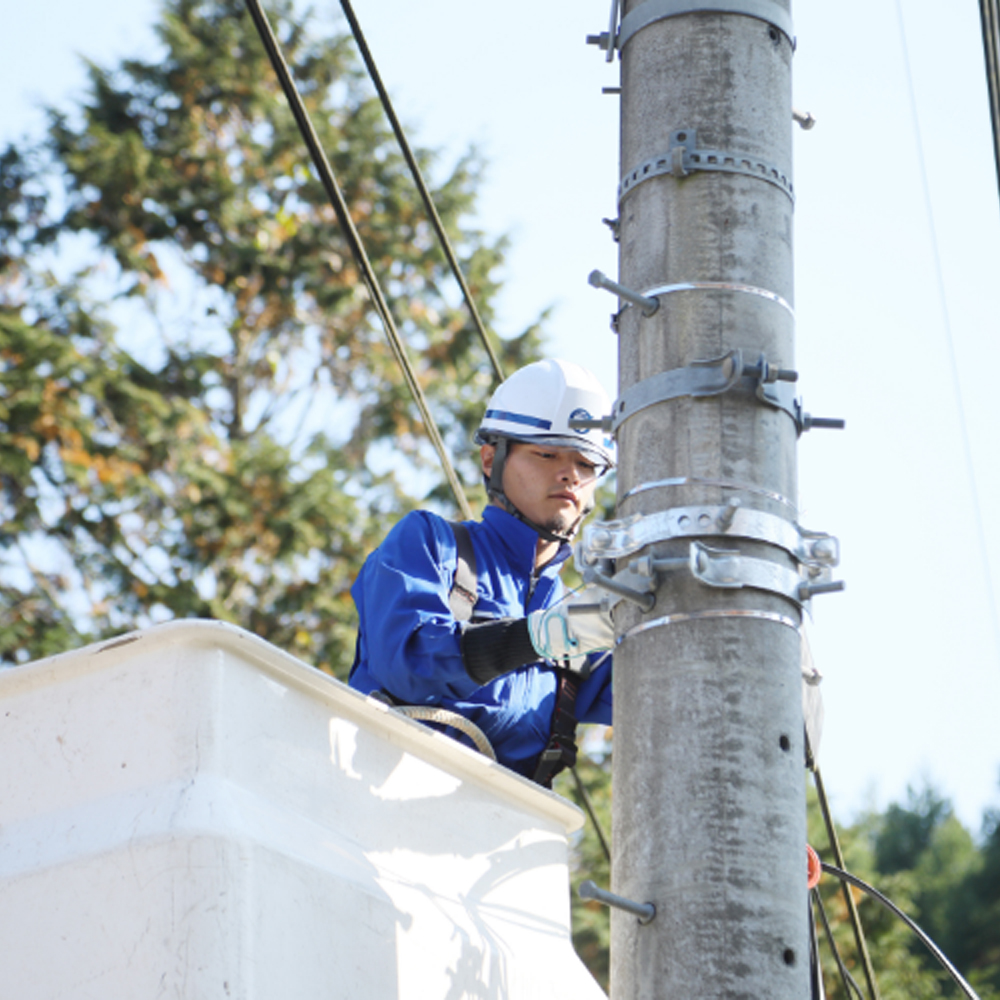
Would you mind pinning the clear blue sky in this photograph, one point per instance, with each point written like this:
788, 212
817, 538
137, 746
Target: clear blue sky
909, 651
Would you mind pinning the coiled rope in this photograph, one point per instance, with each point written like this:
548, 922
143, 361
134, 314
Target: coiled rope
445, 718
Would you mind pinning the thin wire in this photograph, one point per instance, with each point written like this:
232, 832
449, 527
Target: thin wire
846, 977
847, 877
418, 179
852, 907
589, 807
953, 360
336, 197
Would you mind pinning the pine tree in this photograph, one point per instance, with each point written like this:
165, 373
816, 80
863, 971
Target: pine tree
199, 415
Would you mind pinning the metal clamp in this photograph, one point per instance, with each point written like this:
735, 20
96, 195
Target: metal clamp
712, 377
709, 377
684, 158
656, 10
730, 570
623, 538
726, 569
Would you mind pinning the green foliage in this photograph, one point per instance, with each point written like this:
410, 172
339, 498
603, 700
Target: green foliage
975, 908
922, 858
205, 418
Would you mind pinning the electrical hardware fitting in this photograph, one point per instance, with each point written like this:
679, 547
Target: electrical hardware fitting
725, 569
712, 377
815, 553
627, 536
684, 158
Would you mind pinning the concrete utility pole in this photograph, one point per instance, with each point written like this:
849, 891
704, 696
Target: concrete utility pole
709, 780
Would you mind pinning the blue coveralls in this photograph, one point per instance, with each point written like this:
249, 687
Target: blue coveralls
409, 641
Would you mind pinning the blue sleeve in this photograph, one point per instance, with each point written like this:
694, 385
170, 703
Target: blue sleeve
593, 700
410, 637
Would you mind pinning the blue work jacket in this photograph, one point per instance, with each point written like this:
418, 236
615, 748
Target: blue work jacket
409, 640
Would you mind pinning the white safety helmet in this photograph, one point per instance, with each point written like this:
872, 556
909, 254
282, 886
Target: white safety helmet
537, 403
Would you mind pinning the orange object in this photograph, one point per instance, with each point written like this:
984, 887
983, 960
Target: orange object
814, 868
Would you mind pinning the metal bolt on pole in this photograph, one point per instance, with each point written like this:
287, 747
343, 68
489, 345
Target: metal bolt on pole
709, 779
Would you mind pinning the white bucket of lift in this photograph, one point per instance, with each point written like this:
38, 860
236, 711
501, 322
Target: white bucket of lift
188, 812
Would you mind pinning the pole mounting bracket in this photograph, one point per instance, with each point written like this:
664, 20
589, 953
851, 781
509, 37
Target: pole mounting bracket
684, 157
623, 538
815, 553
712, 377
725, 569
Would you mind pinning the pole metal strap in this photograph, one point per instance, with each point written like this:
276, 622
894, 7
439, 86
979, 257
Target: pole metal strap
684, 158
656, 10
723, 484
721, 286
695, 616
702, 379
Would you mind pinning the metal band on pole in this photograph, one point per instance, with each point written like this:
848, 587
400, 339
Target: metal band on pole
720, 286
656, 10
714, 613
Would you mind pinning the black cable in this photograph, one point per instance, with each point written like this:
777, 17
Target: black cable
418, 179
890, 905
589, 807
852, 908
336, 197
846, 978
989, 15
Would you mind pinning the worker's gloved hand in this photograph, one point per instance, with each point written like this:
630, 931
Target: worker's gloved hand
572, 629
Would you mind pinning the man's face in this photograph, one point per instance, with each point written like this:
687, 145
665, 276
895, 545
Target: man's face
550, 486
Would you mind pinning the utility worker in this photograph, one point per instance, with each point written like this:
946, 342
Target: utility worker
522, 666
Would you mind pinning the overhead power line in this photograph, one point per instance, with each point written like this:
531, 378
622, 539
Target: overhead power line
418, 179
336, 197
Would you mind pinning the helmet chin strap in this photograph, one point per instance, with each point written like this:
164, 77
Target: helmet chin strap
494, 487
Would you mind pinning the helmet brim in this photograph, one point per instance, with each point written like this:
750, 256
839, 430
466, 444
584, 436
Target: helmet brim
581, 445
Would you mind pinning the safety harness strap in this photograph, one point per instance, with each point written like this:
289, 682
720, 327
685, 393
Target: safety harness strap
465, 587
560, 751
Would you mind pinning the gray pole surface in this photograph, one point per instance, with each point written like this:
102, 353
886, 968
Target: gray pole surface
709, 782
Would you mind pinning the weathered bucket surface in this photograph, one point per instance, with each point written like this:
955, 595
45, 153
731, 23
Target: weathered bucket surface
189, 812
